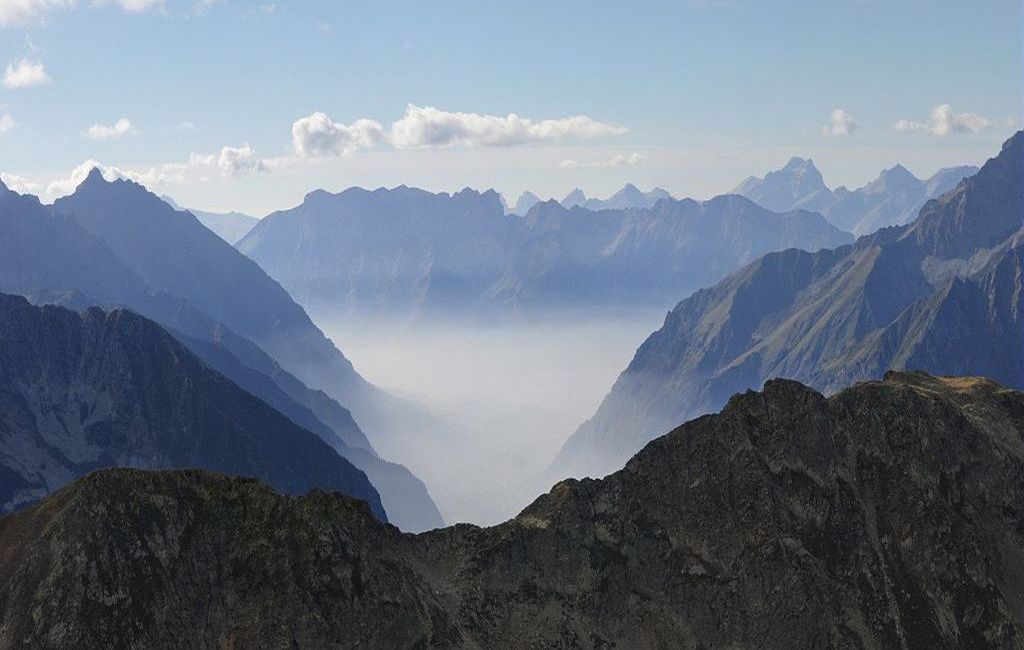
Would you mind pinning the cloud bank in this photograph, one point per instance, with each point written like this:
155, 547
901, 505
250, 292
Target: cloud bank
426, 127
943, 121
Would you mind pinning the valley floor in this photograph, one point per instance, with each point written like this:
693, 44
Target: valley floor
505, 397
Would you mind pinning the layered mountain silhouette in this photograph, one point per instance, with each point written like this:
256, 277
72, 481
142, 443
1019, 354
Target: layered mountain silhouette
200, 288
523, 204
892, 199
885, 516
942, 294
229, 226
630, 196
84, 390
406, 251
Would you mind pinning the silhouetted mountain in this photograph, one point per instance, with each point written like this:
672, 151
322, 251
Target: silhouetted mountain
574, 199
798, 185
943, 294
893, 199
177, 255
523, 204
386, 251
886, 516
407, 251
52, 259
575, 257
229, 226
83, 390
630, 196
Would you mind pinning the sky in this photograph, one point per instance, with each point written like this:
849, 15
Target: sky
231, 105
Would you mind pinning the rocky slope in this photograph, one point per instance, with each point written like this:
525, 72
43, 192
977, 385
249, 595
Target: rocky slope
892, 199
943, 294
82, 390
890, 515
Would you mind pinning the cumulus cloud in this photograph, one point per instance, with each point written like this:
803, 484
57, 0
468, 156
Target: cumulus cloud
943, 121
20, 12
118, 129
620, 160
239, 161
841, 123
318, 135
25, 73
19, 184
426, 126
6, 123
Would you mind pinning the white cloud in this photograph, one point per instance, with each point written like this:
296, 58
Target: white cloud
426, 126
615, 161
317, 135
6, 123
841, 123
131, 6
24, 73
239, 161
19, 184
943, 121
185, 127
20, 12
118, 129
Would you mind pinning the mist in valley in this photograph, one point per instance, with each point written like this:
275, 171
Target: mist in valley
502, 398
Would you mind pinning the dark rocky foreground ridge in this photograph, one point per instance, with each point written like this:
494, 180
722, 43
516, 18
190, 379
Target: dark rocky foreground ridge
890, 515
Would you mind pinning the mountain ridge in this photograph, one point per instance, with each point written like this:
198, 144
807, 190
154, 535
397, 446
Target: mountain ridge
883, 516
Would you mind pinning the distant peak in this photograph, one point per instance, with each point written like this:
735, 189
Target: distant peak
899, 174
796, 162
574, 197
94, 176
629, 187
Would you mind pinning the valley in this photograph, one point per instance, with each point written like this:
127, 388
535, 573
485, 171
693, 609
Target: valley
504, 397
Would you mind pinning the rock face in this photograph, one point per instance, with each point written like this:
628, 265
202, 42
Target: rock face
892, 199
409, 252
890, 515
94, 389
943, 294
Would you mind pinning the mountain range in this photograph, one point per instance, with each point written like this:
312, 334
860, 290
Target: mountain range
405, 251
84, 390
117, 245
943, 294
886, 516
892, 199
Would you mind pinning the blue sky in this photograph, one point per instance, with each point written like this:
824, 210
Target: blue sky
248, 105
